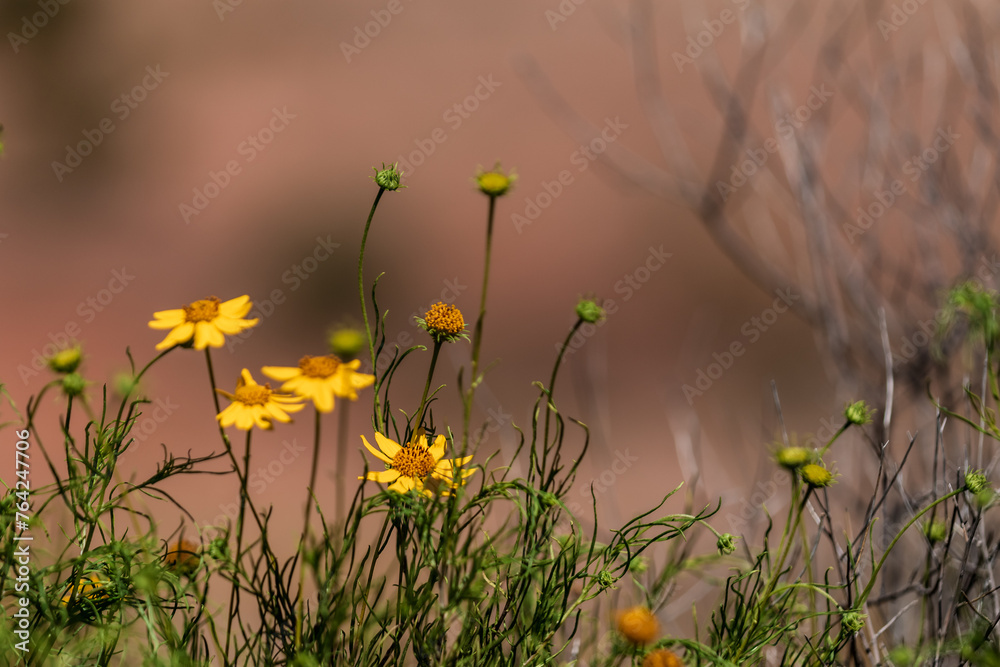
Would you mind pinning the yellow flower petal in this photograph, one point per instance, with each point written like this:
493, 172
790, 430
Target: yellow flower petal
388, 446
403, 484
437, 450
379, 455
180, 334
167, 319
280, 373
383, 476
236, 308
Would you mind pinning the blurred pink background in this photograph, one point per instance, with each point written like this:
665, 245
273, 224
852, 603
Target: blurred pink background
222, 73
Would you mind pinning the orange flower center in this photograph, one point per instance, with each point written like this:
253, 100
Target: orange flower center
445, 318
319, 367
253, 394
205, 310
413, 461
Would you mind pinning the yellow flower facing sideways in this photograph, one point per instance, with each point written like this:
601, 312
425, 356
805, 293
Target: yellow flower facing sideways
319, 379
409, 466
256, 405
207, 322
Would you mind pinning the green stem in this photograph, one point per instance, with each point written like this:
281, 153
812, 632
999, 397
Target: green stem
550, 405
834, 438
361, 293
881, 562
427, 386
239, 537
305, 532
477, 333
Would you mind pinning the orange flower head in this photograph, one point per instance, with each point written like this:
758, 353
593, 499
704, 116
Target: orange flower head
638, 625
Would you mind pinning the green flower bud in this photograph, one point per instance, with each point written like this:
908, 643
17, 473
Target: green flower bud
346, 342
726, 544
816, 475
904, 656
66, 361
494, 182
387, 177
605, 579
639, 565
792, 457
858, 413
73, 384
976, 482
588, 311
852, 622
124, 384
218, 549
936, 531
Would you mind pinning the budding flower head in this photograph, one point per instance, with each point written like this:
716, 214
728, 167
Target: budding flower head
605, 579
793, 457
852, 621
494, 182
66, 361
661, 658
726, 544
444, 323
638, 625
125, 384
858, 413
387, 177
346, 342
816, 475
73, 384
936, 531
588, 311
639, 564
976, 482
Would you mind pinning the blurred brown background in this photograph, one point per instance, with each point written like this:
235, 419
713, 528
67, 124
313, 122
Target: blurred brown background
200, 79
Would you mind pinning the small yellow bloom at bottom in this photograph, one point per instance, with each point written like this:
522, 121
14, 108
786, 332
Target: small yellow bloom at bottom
662, 658
91, 587
638, 625
183, 557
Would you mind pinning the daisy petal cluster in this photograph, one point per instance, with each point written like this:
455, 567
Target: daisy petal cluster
256, 405
320, 379
408, 467
206, 322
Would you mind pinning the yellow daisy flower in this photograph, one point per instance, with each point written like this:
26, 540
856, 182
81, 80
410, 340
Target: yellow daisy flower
256, 405
409, 466
319, 379
206, 321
